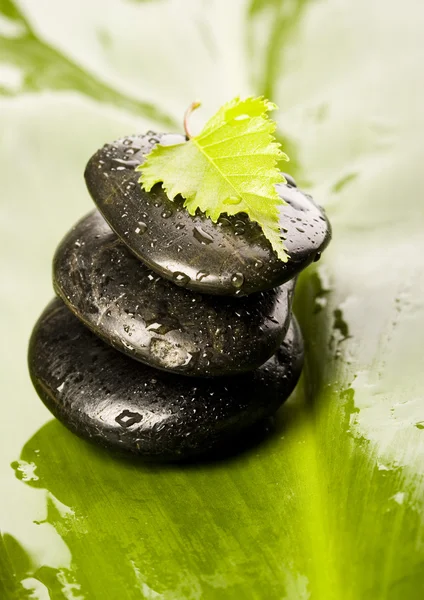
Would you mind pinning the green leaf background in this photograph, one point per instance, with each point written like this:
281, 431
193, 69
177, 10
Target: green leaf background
330, 506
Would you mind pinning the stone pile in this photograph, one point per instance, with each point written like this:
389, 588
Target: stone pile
171, 335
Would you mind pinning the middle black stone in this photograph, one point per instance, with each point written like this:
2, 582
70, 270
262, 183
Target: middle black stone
158, 323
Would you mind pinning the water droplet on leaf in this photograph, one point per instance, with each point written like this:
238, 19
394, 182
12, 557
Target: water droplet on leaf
233, 200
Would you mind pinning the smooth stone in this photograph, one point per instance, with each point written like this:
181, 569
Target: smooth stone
231, 257
157, 322
114, 401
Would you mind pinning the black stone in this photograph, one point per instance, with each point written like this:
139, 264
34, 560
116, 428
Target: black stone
232, 257
116, 402
157, 322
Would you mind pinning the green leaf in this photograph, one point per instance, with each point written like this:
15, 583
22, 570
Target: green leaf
230, 167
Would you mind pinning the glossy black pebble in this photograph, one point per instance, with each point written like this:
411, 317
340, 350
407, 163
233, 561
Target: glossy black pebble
114, 401
153, 320
229, 258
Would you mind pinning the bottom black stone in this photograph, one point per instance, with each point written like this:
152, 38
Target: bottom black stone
112, 400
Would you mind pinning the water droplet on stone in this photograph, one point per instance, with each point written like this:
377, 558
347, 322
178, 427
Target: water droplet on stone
239, 227
142, 228
202, 236
290, 181
188, 359
180, 278
201, 275
258, 264
128, 346
166, 214
224, 222
180, 226
237, 280
159, 328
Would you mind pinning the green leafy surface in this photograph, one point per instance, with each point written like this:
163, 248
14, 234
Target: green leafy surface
230, 167
331, 505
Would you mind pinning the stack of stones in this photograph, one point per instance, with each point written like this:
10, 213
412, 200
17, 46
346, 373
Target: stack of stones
171, 335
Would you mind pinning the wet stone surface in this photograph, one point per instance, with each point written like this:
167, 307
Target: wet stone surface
114, 401
157, 322
231, 257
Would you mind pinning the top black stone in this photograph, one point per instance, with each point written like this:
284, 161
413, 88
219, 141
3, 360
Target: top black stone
231, 257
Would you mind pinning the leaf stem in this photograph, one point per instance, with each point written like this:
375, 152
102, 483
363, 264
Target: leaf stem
187, 114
